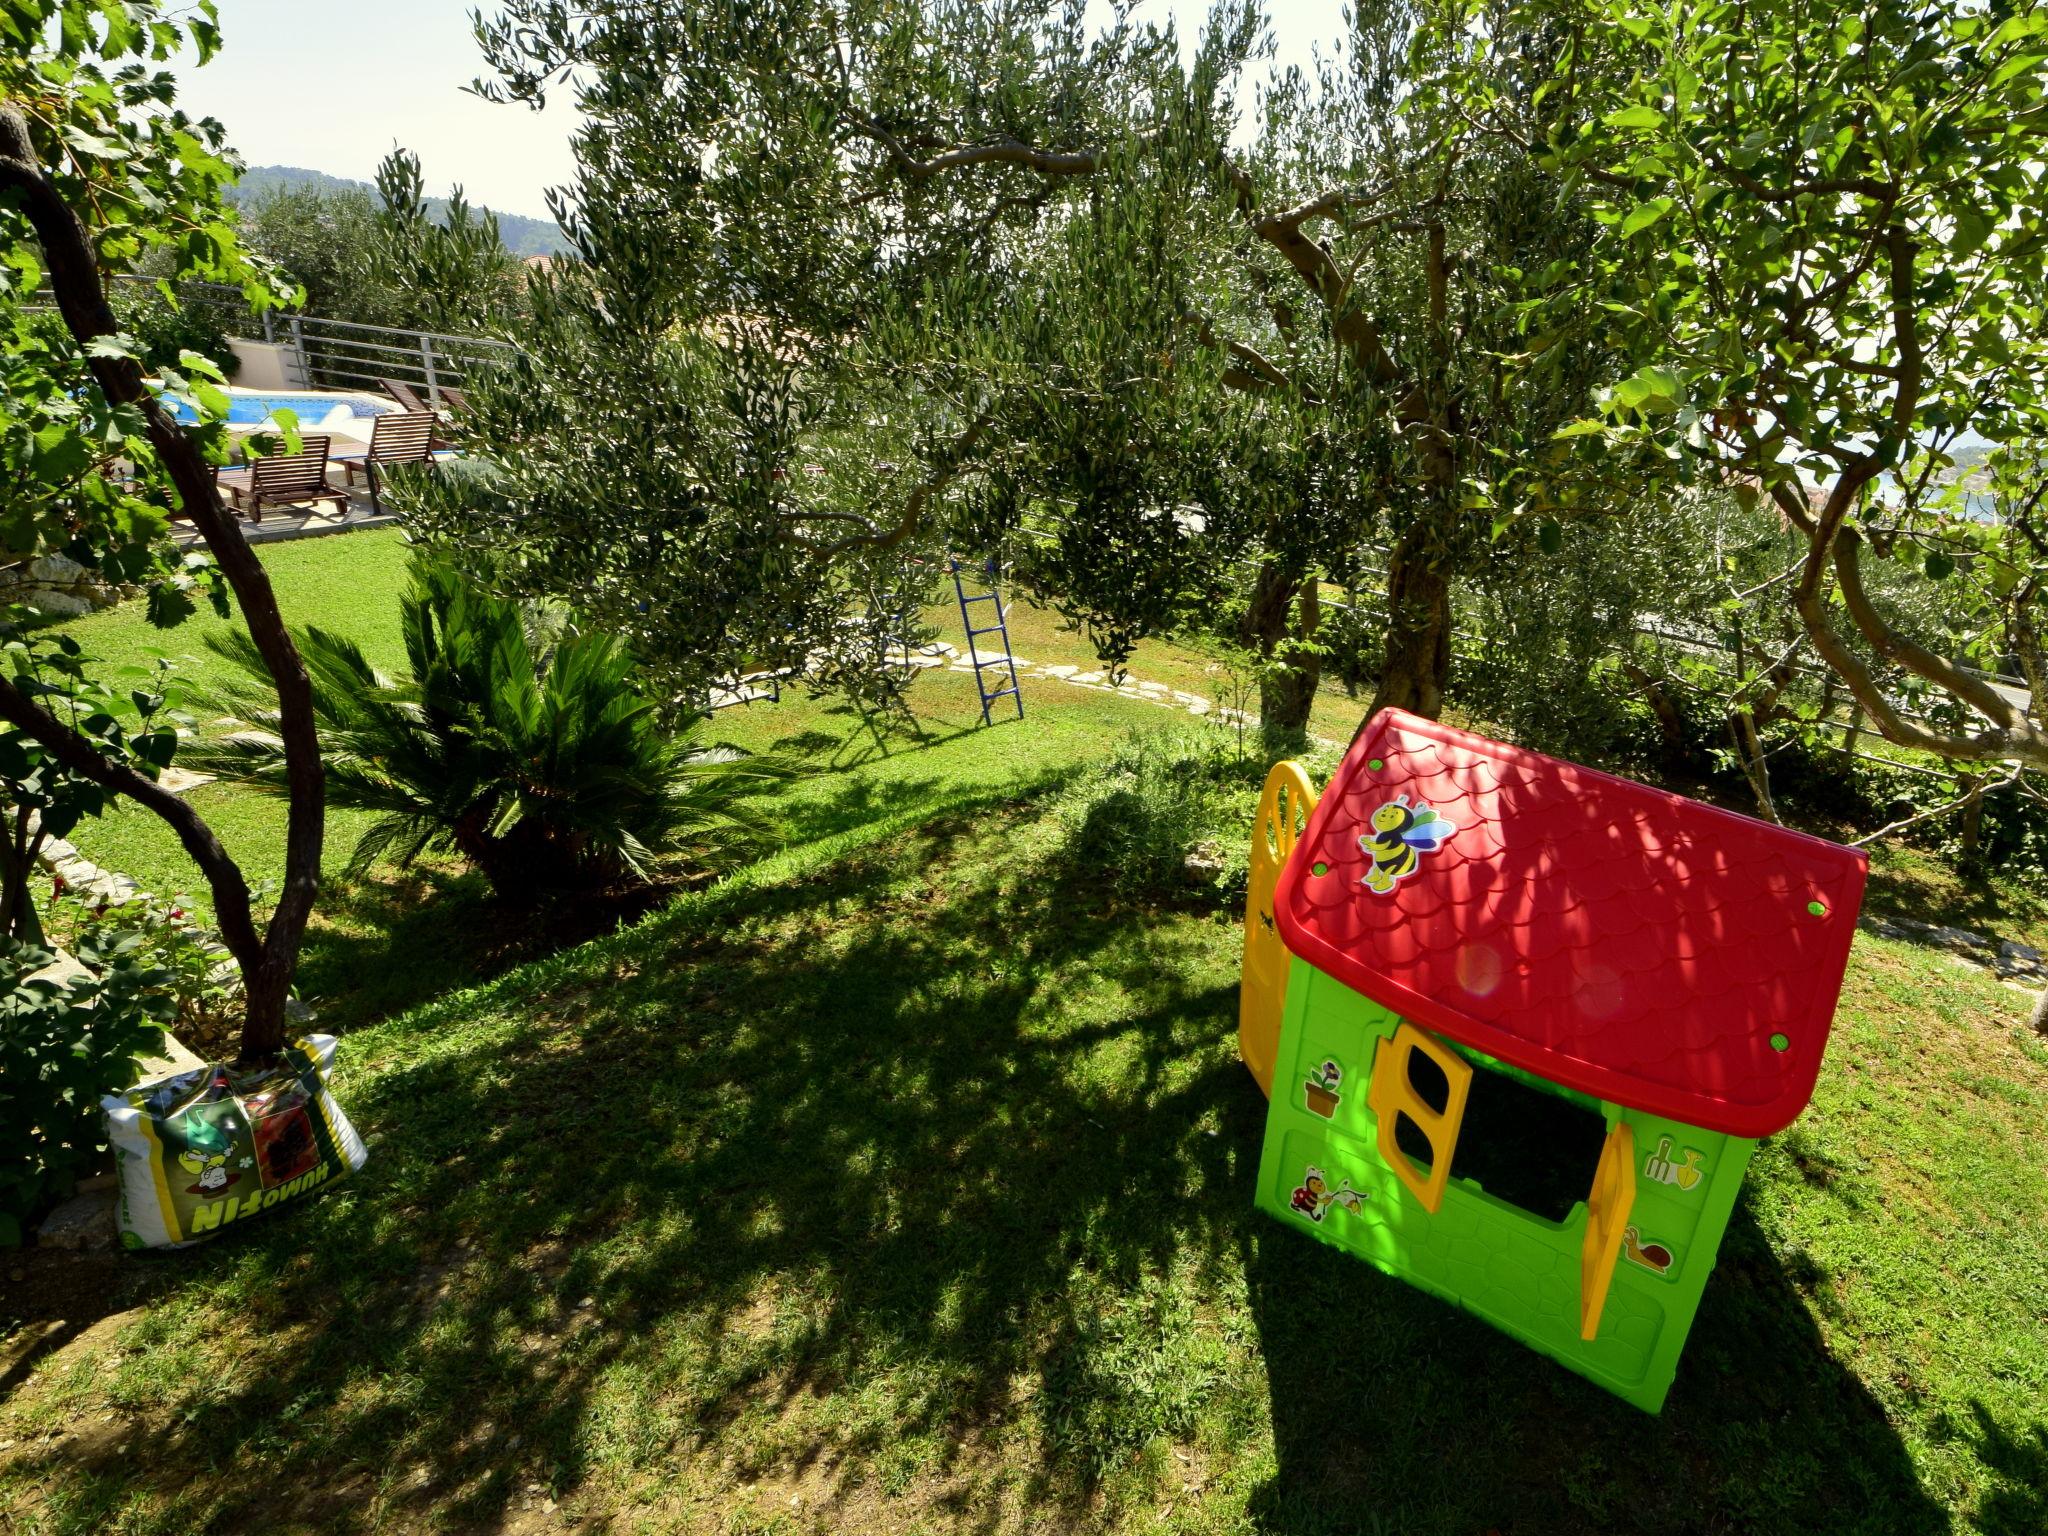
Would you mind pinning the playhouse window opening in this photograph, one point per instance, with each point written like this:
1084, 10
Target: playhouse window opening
1414, 1145
1531, 1148
1429, 1083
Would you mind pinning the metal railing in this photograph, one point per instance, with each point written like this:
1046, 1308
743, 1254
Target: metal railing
337, 354
347, 354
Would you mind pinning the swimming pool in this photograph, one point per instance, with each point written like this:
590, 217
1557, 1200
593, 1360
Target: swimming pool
248, 408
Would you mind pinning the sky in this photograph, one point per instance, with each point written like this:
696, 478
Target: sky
331, 85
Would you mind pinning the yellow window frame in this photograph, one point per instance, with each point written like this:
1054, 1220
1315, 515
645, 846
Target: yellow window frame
1392, 1094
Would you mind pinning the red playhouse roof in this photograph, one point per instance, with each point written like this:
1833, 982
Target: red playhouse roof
1626, 942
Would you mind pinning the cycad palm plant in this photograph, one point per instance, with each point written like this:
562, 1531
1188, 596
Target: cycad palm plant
516, 742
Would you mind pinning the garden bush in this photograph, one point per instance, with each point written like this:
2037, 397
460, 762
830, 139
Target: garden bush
164, 328
1131, 825
63, 1044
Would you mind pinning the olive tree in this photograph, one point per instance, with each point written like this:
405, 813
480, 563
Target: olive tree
857, 278
1830, 226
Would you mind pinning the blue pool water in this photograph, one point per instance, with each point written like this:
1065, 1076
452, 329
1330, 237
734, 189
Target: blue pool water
312, 408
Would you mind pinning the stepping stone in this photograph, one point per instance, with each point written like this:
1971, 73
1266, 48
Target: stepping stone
1062, 671
1086, 679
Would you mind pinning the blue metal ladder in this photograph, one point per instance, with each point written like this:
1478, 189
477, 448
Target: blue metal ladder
1000, 627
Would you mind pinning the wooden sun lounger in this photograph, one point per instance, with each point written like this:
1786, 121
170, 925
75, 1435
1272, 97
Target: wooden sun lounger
403, 437
281, 477
404, 394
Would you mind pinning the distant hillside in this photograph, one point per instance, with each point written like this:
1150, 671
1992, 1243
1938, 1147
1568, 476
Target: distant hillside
523, 236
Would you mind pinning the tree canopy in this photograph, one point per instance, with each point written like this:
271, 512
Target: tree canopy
1826, 230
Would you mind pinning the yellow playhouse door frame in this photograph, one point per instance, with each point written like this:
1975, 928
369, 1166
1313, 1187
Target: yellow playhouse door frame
1284, 809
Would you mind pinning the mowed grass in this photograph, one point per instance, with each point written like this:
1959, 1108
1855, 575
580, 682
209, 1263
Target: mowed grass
348, 584
382, 942
904, 1184
351, 585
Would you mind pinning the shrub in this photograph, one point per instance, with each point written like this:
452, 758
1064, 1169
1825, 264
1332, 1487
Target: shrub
516, 742
201, 980
163, 328
1131, 824
63, 1044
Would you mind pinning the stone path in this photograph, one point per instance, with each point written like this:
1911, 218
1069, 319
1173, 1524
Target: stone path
2009, 961
942, 653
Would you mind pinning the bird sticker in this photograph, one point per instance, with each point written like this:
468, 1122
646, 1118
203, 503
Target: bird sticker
1401, 834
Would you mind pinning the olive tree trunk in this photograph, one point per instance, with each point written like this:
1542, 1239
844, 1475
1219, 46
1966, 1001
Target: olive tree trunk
1418, 660
1280, 623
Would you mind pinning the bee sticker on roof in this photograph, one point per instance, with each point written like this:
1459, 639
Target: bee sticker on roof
1401, 834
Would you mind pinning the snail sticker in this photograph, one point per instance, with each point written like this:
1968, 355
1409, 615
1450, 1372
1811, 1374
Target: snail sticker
1313, 1196
1654, 1257
1401, 834
1320, 1091
1684, 1174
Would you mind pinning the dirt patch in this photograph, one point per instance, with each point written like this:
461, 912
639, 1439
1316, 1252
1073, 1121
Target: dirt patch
55, 1300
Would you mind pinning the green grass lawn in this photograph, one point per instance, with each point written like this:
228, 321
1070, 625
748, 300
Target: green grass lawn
381, 943
905, 1184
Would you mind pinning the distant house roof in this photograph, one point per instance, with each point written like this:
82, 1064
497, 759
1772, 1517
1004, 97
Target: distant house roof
1629, 943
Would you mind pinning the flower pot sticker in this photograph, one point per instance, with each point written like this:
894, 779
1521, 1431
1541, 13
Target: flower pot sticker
1320, 1091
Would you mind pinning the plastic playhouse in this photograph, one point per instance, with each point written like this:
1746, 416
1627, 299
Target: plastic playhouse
1472, 970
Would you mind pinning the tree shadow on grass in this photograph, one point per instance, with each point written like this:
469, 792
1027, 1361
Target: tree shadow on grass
920, 1175
841, 1138
2020, 1506
1392, 1405
387, 941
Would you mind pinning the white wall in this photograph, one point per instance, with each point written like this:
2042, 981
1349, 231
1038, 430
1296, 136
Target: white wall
265, 366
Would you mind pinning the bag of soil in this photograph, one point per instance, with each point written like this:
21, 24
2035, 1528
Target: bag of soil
209, 1146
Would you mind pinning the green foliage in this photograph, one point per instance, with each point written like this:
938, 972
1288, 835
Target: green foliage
167, 325
1825, 235
520, 742
325, 241
204, 987
388, 255
92, 85
64, 1044
798, 351
42, 796
1133, 821
1544, 671
448, 274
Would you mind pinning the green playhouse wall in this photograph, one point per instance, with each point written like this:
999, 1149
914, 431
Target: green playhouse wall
1507, 1265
